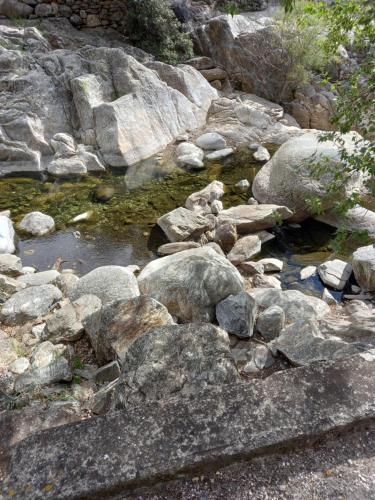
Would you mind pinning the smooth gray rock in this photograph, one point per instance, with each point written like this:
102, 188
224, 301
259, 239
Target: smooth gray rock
220, 154
121, 322
270, 322
250, 218
179, 246
210, 141
191, 283
37, 224
174, 359
335, 273
265, 281
29, 304
42, 278
182, 224
7, 236
272, 265
108, 283
364, 267
287, 179
11, 265
294, 303
189, 155
235, 422
303, 343
67, 167
201, 201
49, 363
225, 235
236, 314
262, 154
244, 249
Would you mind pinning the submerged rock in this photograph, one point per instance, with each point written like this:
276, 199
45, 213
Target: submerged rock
175, 359
191, 283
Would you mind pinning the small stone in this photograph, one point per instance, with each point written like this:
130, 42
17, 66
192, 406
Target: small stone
19, 366
243, 185
211, 140
252, 201
251, 267
219, 154
236, 314
335, 273
265, 281
262, 154
307, 272
329, 298
271, 322
244, 249
272, 265
10, 265
216, 207
37, 224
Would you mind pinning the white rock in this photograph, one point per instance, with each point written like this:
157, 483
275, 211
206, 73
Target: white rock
307, 272
7, 235
216, 207
219, 154
211, 140
242, 185
329, 298
37, 223
266, 281
19, 366
244, 249
42, 278
201, 201
181, 224
335, 273
10, 264
364, 267
272, 265
262, 154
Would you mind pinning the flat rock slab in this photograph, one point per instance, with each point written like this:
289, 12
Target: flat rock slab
159, 440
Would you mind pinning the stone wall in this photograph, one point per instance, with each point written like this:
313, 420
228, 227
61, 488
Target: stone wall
90, 13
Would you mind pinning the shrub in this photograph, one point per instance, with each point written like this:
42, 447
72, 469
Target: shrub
152, 26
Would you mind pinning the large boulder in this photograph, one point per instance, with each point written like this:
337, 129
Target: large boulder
335, 273
191, 283
287, 179
108, 283
7, 235
29, 304
175, 359
122, 322
234, 42
364, 267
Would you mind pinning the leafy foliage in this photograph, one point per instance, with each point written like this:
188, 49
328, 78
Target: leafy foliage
153, 26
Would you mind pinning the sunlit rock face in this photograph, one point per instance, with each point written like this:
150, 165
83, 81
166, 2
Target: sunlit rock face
93, 101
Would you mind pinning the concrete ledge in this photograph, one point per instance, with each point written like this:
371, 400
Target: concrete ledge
157, 441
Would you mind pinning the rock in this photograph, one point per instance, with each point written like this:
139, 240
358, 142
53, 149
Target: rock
262, 154
19, 366
142, 128
122, 322
67, 323
252, 201
8, 287
107, 373
191, 283
236, 314
215, 247
220, 154
364, 267
211, 75
84, 216
11, 265
265, 281
307, 272
294, 303
335, 273
244, 249
271, 322
211, 140
7, 236
29, 304
329, 298
262, 357
252, 267
272, 265
226, 235
8, 349
63, 145
216, 207
265, 236
357, 218
201, 201
182, 224
171, 248
49, 363
241, 42
67, 167
188, 154
66, 283
242, 186
244, 417
175, 359
248, 218
103, 193
102, 400
200, 63
108, 283
302, 343
37, 223
14, 8
28, 270
42, 278
287, 180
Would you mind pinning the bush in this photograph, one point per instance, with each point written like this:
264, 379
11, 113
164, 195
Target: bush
152, 26
303, 32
